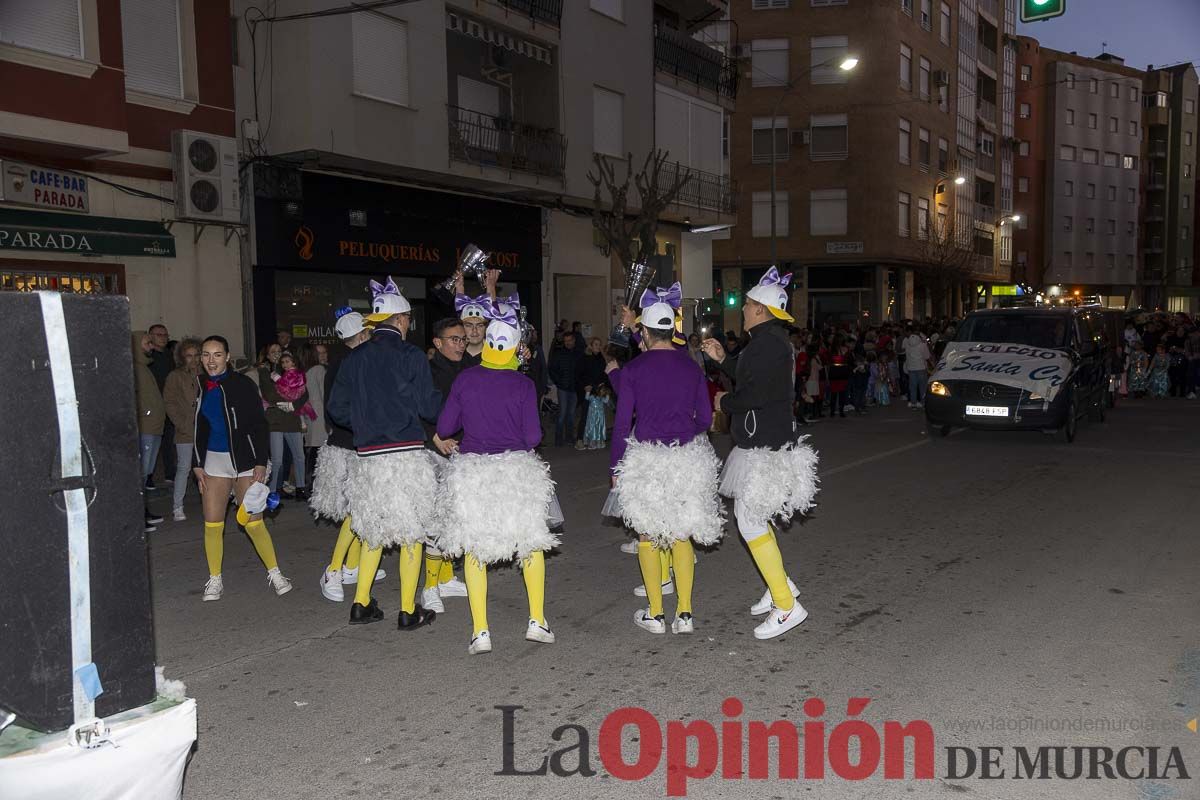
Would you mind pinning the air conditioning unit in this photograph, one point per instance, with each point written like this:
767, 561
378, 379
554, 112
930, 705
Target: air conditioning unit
941, 77
206, 177
800, 138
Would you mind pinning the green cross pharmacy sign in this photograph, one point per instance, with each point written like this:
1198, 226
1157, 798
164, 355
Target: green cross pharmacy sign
1034, 10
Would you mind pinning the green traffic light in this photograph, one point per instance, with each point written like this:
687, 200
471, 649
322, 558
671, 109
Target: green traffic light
731, 300
1034, 10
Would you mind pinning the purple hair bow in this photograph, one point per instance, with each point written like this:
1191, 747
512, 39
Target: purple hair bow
390, 287
672, 296
493, 311
772, 279
461, 301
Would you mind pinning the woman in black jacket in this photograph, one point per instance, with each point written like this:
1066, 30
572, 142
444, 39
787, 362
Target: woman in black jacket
231, 446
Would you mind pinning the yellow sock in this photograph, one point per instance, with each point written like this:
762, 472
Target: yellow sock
433, 570
367, 565
664, 564
651, 566
410, 571
257, 531
534, 572
475, 574
447, 571
214, 545
341, 546
354, 552
685, 573
765, 552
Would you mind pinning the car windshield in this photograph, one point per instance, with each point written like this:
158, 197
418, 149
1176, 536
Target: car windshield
1036, 330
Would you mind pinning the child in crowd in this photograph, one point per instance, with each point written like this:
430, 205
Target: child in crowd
1159, 372
872, 377
883, 383
595, 432
290, 383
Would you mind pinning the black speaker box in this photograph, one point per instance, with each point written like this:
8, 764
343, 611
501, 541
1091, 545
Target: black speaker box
36, 675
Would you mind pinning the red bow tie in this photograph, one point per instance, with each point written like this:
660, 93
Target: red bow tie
211, 384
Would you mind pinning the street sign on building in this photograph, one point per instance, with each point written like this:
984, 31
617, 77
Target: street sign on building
1034, 10
843, 248
29, 185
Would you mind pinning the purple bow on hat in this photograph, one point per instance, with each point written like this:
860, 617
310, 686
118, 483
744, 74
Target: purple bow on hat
461, 301
493, 311
772, 279
513, 300
672, 296
385, 288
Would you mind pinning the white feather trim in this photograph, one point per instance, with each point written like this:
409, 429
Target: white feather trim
392, 498
772, 483
495, 506
669, 492
335, 471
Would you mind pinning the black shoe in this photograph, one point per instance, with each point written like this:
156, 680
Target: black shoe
418, 618
149, 482
301, 494
153, 519
363, 615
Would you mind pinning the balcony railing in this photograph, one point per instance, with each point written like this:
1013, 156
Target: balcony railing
703, 190
684, 57
479, 138
547, 11
987, 57
1158, 149
986, 111
1154, 245
986, 163
985, 213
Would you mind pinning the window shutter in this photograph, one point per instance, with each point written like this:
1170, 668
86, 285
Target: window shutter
380, 57
827, 212
150, 35
608, 122
48, 25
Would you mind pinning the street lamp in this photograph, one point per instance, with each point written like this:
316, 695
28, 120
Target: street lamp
846, 64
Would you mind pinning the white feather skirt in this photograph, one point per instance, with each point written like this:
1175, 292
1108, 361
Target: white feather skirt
772, 483
335, 471
669, 492
392, 498
496, 507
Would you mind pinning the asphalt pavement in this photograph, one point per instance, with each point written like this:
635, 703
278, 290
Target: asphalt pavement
1007, 588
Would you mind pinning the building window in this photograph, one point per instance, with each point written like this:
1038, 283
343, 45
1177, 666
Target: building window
1023, 148
761, 137
760, 223
943, 156
1094, 87
944, 31
1070, 116
829, 138
827, 212
1026, 72
1187, 201
1133, 92
1129, 228
1187, 170
1093, 120
1189, 106
905, 213
1066, 258
768, 62
906, 6
1066, 153
1068, 223
1025, 111
1070, 80
1091, 191
944, 92
1090, 156
380, 57
151, 41
1112, 227
1110, 159
53, 26
828, 53
922, 218
608, 121
610, 8
1112, 194
1068, 188
1184, 232
1089, 259
1133, 131
1022, 185
1114, 124
1129, 162
943, 214
905, 141
1091, 225
905, 67
1131, 196
927, 14
923, 79
762, 5
1187, 138
1111, 260
923, 150
1114, 90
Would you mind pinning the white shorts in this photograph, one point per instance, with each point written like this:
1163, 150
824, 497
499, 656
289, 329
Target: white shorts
220, 465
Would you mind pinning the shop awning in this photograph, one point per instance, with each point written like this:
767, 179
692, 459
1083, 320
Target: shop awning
83, 234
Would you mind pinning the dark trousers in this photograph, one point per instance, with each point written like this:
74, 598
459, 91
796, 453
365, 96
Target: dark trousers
167, 451
837, 402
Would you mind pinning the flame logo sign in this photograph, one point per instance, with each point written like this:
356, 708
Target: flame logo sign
304, 242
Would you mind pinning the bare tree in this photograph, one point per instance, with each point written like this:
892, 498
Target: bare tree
947, 257
629, 232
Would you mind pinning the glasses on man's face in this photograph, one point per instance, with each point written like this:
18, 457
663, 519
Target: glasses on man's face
455, 339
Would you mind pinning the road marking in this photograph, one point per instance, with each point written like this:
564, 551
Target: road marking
877, 457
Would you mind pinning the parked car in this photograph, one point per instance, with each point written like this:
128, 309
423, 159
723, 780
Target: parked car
1034, 368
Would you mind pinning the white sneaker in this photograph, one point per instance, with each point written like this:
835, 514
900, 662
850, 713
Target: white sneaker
214, 588
668, 587
480, 644
178, 515
351, 575
683, 623
280, 584
1191, 396
779, 622
432, 599
764, 604
331, 585
848, 407
536, 632
643, 620
453, 588
630, 547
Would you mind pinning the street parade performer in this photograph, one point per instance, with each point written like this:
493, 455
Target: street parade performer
665, 475
496, 492
337, 465
770, 472
382, 392
471, 310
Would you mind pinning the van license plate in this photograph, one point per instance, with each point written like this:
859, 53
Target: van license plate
987, 411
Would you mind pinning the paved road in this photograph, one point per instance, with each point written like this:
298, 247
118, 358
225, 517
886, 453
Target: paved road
991, 580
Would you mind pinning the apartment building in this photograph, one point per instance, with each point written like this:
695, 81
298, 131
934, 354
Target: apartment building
384, 140
93, 93
888, 175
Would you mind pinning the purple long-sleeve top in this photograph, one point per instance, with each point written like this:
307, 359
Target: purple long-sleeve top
497, 411
667, 392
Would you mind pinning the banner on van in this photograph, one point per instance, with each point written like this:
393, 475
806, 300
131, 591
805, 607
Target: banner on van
1034, 369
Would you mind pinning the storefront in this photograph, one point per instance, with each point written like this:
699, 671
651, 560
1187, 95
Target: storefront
319, 239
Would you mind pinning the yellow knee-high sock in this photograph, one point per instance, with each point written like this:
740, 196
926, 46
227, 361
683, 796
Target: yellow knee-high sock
651, 566
534, 572
664, 565
475, 575
214, 545
433, 570
447, 571
354, 552
342, 546
765, 551
410, 572
367, 564
261, 538
685, 574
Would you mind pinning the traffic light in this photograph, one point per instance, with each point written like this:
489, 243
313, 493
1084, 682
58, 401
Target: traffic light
1034, 10
731, 299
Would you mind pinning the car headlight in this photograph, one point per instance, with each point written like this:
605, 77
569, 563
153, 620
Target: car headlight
939, 388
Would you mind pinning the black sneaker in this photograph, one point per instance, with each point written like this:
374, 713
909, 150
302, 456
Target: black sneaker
153, 519
363, 615
418, 618
149, 482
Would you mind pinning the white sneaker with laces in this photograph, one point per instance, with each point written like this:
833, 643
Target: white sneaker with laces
482, 643
537, 632
214, 588
351, 575
764, 604
643, 620
630, 547
178, 515
779, 622
331, 585
683, 623
453, 588
280, 584
431, 599
668, 587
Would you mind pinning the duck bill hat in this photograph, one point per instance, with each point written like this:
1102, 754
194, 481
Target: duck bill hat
503, 336
771, 291
470, 307
387, 301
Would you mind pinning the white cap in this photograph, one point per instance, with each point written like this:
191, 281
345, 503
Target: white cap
255, 498
386, 305
348, 325
659, 316
774, 297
